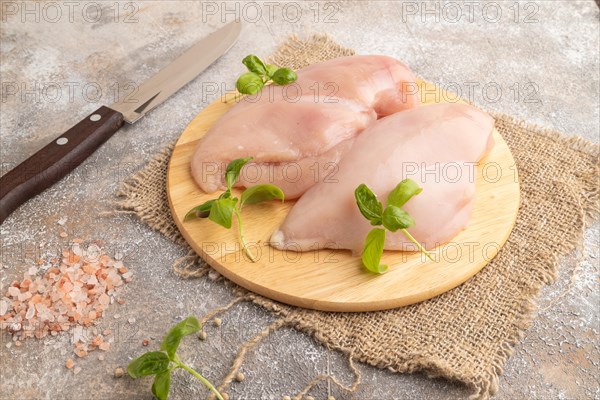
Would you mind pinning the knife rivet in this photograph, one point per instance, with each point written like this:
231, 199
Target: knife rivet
61, 141
95, 117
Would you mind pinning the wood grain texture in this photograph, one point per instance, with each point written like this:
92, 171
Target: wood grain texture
334, 280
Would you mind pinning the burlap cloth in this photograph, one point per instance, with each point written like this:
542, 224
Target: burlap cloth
469, 332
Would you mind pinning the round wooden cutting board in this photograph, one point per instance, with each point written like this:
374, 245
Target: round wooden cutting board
334, 280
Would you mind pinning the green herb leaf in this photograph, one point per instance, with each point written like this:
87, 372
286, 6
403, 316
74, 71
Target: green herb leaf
395, 218
284, 76
258, 193
201, 211
403, 192
154, 362
172, 339
249, 83
373, 250
255, 64
271, 69
368, 204
233, 170
221, 211
161, 385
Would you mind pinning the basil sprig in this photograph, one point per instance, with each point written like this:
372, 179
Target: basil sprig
393, 218
260, 74
222, 209
162, 363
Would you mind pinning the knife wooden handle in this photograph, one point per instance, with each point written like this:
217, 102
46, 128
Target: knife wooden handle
53, 162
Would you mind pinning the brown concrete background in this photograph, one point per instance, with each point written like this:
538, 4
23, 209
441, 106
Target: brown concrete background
545, 60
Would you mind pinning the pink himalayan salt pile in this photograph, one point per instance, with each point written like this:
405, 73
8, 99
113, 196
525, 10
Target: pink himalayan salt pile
72, 293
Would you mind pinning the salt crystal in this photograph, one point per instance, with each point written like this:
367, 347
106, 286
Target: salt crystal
32, 271
131, 320
104, 299
13, 291
30, 313
77, 370
63, 234
24, 296
3, 307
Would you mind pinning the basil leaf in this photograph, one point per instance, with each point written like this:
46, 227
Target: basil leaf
254, 64
283, 76
200, 211
271, 69
221, 211
154, 362
161, 385
403, 192
249, 83
233, 170
368, 204
395, 218
373, 250
258, 193
172, 339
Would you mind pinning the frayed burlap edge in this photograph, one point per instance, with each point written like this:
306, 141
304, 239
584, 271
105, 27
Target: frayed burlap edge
483, 385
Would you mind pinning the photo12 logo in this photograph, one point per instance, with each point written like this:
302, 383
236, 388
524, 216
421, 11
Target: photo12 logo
67, 92
469, 11
271, 11
69, 11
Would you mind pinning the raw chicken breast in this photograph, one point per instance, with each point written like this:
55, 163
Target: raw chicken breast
296, 133
435, 145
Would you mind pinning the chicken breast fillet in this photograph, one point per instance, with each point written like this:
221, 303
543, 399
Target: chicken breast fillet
298, 132
437, 146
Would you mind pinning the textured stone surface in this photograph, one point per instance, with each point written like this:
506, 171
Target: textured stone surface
544, 60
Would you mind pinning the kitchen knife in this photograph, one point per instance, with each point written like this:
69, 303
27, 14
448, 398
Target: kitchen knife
54, 161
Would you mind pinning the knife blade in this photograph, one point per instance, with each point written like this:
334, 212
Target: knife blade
61, 156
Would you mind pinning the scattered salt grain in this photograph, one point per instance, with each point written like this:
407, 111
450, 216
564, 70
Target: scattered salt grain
63, 234
77, 370
62, 221
65, 293
131, 320
70, 363
101, 357
3, 307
